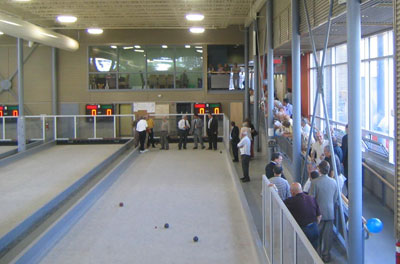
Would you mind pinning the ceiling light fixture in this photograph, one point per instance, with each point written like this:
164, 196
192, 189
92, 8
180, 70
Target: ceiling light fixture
196, 30
113, 47
187, 46
138, 50
22, 0
66, 19
127, 48
1, 33
164, 46
195, 17
137, 47
94, 31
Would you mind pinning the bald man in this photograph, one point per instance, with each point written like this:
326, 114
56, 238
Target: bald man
305, 210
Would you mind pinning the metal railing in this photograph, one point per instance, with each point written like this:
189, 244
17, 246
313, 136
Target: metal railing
283, 239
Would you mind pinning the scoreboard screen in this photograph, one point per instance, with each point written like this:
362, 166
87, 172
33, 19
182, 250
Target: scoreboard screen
205, 108
9, 110
102, 110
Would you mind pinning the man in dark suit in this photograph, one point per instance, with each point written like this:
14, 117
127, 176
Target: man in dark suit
212, 131
234, 141
276, 159
345, 156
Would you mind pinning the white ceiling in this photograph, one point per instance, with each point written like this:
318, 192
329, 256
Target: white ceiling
130, 13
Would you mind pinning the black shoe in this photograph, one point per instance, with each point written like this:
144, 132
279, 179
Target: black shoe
195, 148
245, 180
179, 148
167, 148
326, 259
184, 147
202, 147
235, 160
242, 178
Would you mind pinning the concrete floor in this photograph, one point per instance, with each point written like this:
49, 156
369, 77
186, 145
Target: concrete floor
28, 184
191, 190
384, 242
4, 149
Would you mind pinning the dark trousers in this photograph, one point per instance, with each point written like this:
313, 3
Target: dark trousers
235, 149
212, 140
151, 138
312, 233
325, 229
182, 138
142, 139
245, 166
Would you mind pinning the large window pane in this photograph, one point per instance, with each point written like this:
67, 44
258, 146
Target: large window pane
341, 93
131, 60
378, 95
160, 60
189, 59
102, 81
160, 81
328, 91
341, 53
189, 80
102, 59
133, 81
364, 71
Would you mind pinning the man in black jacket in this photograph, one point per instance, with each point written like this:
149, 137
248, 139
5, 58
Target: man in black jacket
276, 159
234, 141
212, 132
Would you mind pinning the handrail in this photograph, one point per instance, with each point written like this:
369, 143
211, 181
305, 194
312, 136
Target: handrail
388, 184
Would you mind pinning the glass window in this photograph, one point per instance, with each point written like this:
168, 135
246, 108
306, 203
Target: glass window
341, 54
102, 81
133, 81
379, 121
341, 93
189, 80
189, 59
102, 59
131, 59
160, 60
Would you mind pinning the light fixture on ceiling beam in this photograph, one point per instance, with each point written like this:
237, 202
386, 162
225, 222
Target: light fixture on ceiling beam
187, 46
66, 19
196, 30
137, 46
1, 33
19, 28
94, 31
194, 17
164, 46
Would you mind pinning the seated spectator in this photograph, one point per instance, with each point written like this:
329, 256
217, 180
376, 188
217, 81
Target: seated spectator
220, 68
227, 68
276, 159
305, 210
282, 185
288, 107
317, 150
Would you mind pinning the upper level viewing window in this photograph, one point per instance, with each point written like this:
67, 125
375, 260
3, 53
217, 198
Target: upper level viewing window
145, 67
225, 67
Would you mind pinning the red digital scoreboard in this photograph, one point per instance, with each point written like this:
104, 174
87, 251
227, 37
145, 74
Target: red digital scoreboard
9, 110
102, 110
205, 108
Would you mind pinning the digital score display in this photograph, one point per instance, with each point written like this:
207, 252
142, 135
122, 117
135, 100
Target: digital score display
102, 110
213, 108
9, 110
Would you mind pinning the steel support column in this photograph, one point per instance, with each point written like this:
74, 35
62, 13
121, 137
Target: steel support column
270, 76
54, 80
355, 244
246, 70
256, 122
296, 90
21, 118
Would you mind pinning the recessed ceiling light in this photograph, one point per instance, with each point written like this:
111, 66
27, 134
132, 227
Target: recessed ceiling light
1, 33
194, 17
187, 46
138, 50
198, 47
22, 0
137, 47
95, 31
196, 30
164, 46
113, 47
199, 51
126, 48
66, 19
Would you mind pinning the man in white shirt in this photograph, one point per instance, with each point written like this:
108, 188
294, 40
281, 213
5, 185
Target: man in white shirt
183, 128
141, 127
245, 151
317, 150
